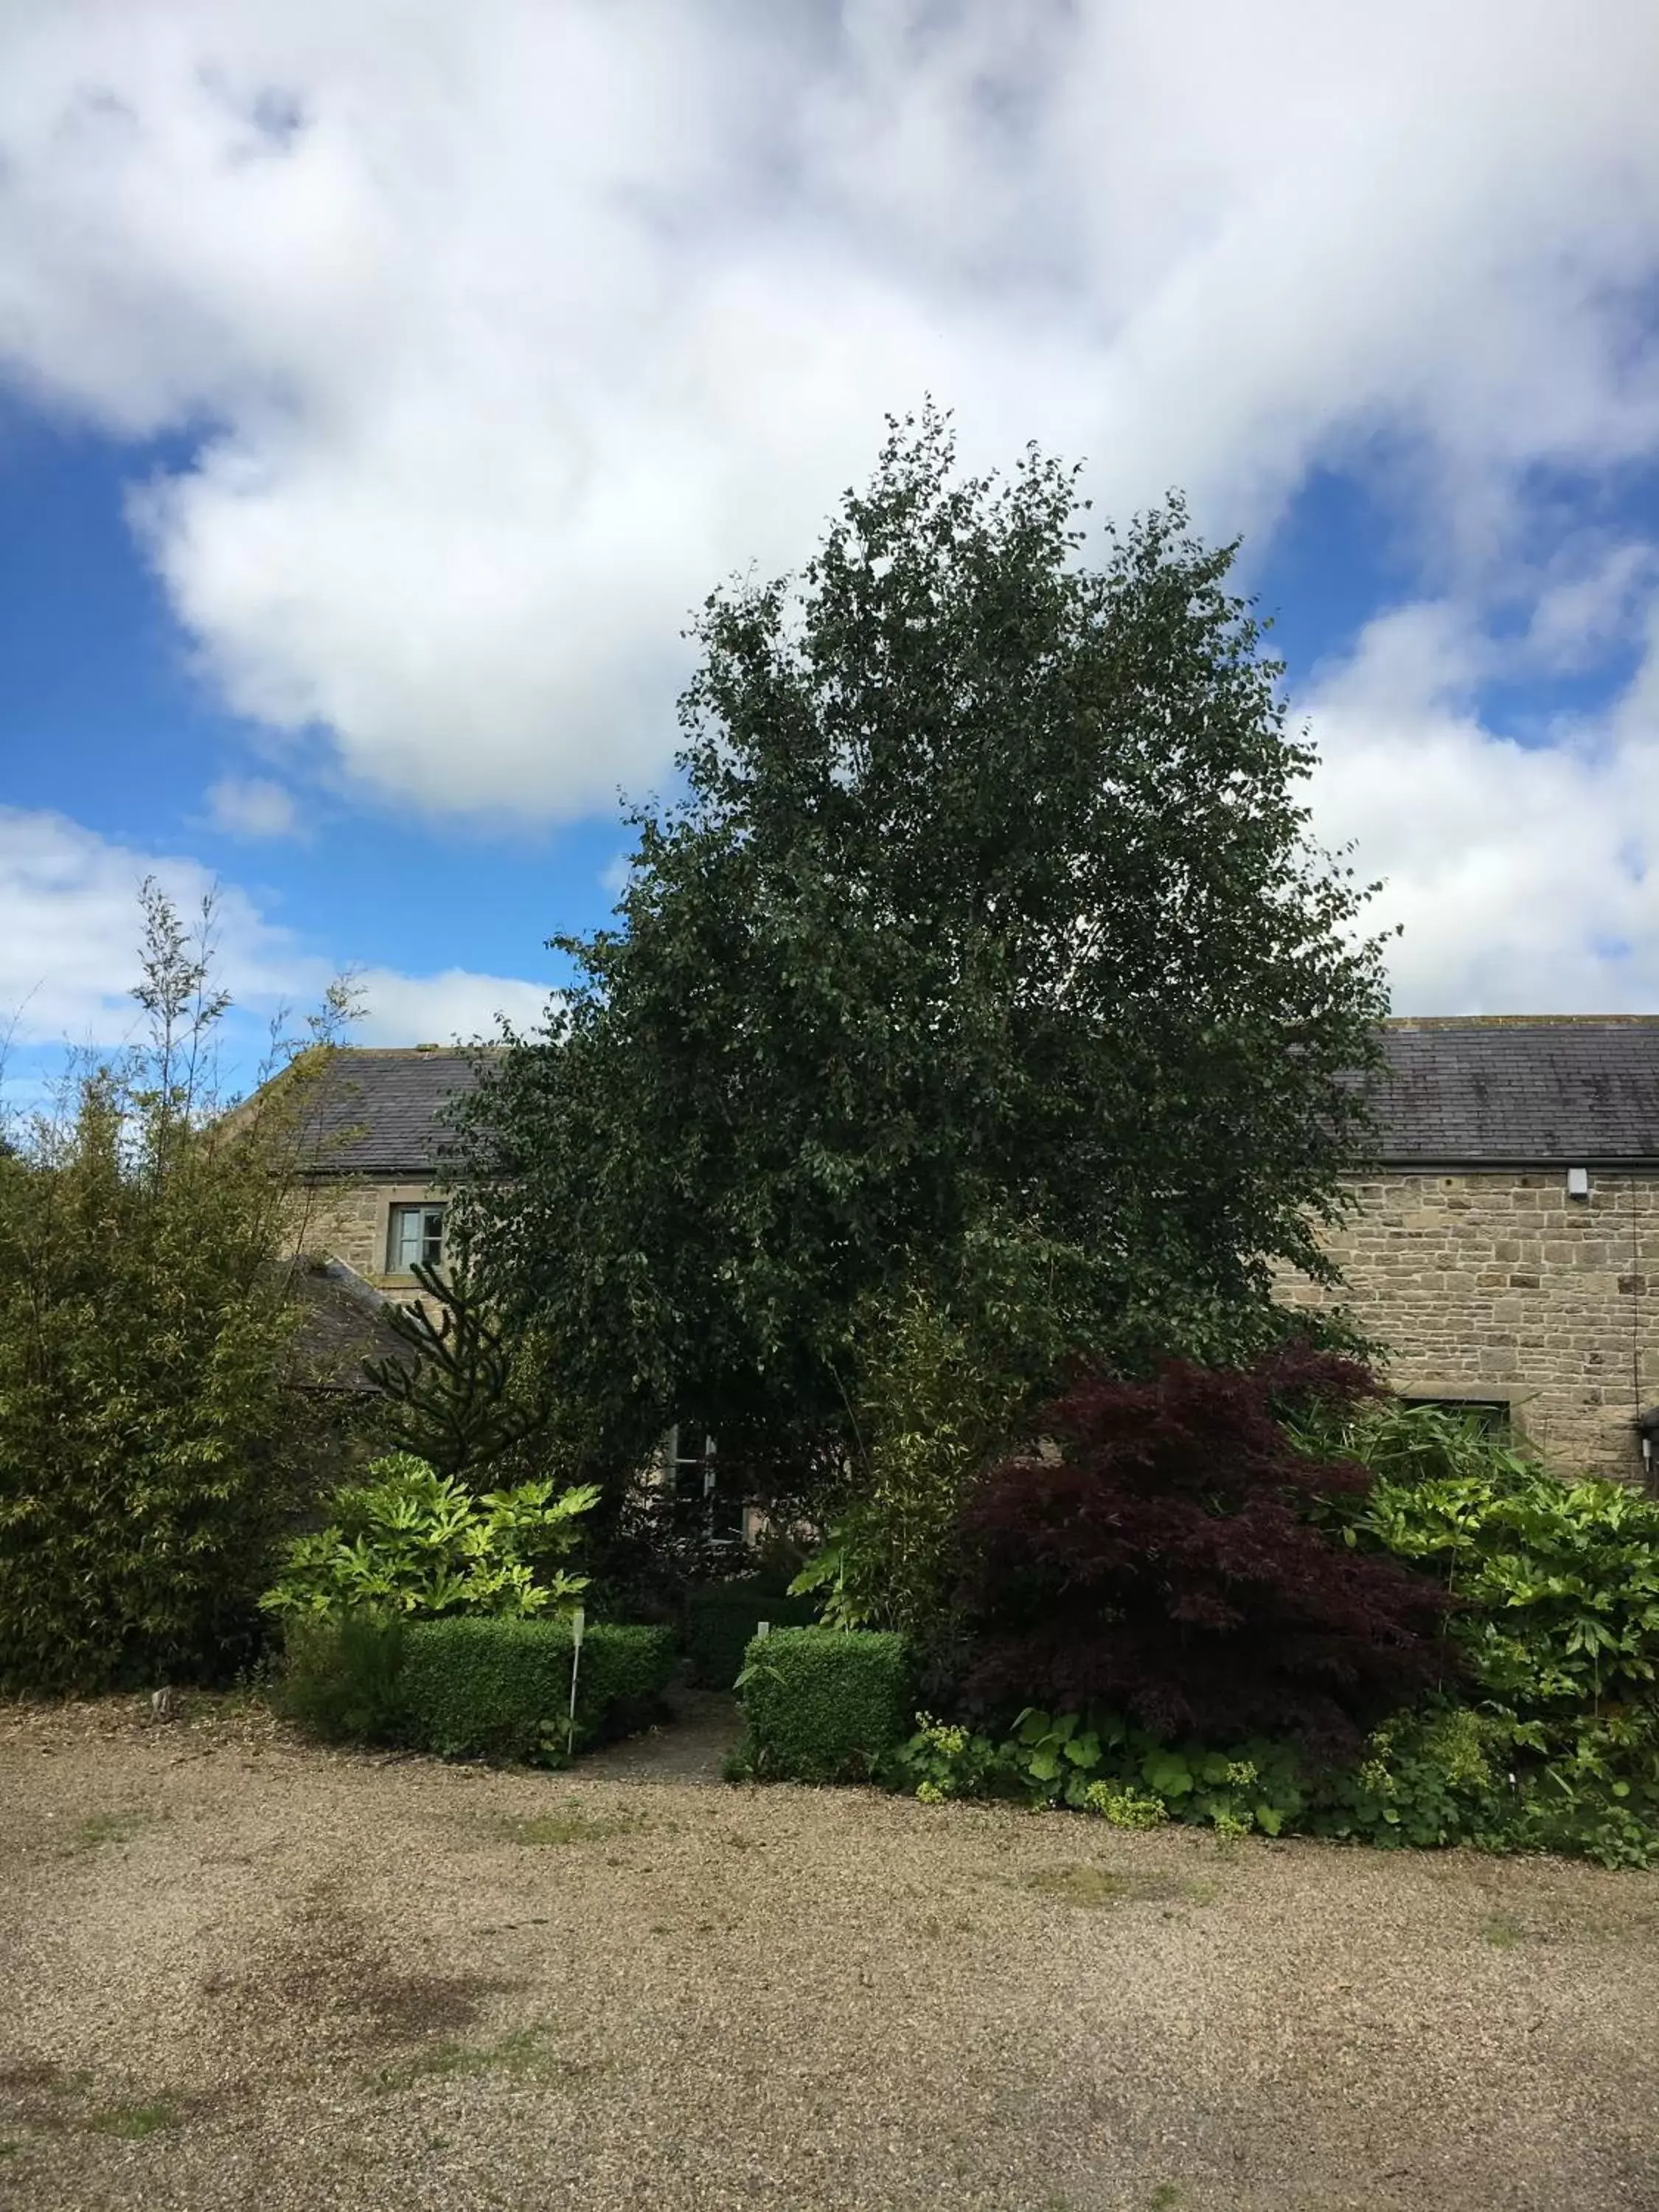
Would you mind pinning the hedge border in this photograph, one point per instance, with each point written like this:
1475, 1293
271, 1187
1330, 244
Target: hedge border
823, 1704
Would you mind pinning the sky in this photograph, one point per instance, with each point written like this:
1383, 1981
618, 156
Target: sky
382, 386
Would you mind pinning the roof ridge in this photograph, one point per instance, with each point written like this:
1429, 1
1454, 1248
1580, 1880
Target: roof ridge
1520, 1021
416, 1051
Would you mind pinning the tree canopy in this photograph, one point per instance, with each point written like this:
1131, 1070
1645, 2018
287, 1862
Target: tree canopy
985, 950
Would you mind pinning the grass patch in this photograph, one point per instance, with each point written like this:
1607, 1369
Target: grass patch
566, 1824
1503, 1932
1164, 2197
520, 2053
134, 2122
1095, 1888
49, 2100
101, 1828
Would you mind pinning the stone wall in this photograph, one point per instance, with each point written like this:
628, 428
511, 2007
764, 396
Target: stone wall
1496, 1285
351, 1220
1492, 1285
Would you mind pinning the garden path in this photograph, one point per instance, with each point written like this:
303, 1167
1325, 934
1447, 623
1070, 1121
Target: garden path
691, 1748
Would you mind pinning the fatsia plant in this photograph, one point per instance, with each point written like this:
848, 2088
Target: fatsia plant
1556, 1583
410, 1541
1555, 1587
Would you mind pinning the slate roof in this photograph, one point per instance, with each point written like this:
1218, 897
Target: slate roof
1518, 1091
381, 1111
1494, 1090
343, 1322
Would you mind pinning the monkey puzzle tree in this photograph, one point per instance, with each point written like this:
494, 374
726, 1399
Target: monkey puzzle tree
455, 1401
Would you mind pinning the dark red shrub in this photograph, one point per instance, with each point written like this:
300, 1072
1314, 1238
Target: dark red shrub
1169, 1565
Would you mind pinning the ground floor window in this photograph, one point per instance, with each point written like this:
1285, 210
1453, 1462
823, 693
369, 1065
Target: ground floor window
416, 1233
705, 1496
1489, 1417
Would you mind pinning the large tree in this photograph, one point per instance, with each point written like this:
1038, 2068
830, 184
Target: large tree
985, 951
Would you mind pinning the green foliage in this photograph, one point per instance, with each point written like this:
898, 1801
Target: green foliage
154, 1435
822, 1705
1099, 1763
934, 1404
1427, 1778
340, 1673
721, 1619
501, 1688
1120, 1805
1557, 1618
1559, 1582
458, 1401
412, 1541
988, 941
942, 1761
1440, 1775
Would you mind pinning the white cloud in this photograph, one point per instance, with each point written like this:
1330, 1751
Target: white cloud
68, 928
519, 324
1526, 877
253, 806
454, 1007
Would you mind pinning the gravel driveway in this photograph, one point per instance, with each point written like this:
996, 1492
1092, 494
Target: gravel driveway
240, 1973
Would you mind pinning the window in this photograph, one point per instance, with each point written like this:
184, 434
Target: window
417, 1233
704, 1497
1488, 1416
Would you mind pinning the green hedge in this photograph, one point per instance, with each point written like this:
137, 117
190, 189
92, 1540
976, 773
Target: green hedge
823, 1704
474, 1686
721, 1618
501, 1688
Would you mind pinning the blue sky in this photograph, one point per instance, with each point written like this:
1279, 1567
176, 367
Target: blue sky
379, 388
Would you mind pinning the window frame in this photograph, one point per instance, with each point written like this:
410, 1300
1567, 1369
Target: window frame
691, 1478
1493, 1416
431, 1245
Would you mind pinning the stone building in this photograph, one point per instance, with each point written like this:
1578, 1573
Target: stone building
380, 1136
1503, 1245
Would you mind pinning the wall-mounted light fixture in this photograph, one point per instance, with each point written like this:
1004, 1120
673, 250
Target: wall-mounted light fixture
1577, 1183
1647, 1428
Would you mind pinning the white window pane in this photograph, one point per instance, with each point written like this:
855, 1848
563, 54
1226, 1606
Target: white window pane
416, 1233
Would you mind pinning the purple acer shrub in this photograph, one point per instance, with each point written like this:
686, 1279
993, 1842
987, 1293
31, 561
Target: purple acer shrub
1174, 1565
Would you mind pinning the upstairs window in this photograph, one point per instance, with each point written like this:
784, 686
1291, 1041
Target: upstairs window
416, 1234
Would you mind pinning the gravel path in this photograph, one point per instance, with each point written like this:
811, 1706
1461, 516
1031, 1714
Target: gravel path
706, 1727
241, 1973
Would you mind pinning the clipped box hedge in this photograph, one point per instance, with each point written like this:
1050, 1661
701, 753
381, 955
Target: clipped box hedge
501, 1689
472, 1687
825, 1705
721, 1620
